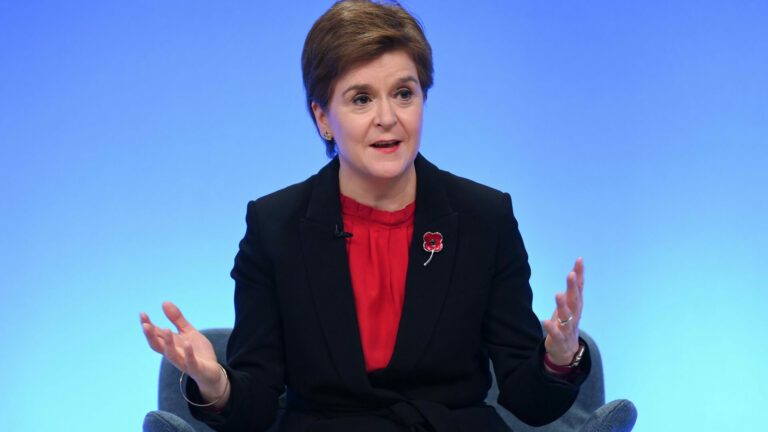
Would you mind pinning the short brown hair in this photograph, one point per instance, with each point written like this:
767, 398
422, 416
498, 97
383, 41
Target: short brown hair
353, 32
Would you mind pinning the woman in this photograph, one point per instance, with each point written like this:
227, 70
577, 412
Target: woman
377, 289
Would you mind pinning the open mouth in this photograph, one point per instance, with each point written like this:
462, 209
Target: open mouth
386, 145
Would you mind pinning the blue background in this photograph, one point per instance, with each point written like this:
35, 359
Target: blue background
633, 134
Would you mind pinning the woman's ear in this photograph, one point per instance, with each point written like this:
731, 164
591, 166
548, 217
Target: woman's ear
321, 119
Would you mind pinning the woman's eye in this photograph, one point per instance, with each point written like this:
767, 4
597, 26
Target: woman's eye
404, 94
361, 99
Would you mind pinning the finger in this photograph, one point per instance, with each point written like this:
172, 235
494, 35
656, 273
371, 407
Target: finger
154, 339
567, 322
563, 311
553, 321
578, 270
174, 314
171, 351
572, 294
553, 330
144, 318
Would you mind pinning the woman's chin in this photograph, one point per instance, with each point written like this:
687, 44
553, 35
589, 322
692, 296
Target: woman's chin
376, 166
389, 170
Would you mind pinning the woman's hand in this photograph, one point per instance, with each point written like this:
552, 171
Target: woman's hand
563, 328
189, 351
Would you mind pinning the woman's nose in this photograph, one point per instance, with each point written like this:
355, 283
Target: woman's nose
385, 114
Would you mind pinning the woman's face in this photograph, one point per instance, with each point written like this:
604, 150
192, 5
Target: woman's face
375, 115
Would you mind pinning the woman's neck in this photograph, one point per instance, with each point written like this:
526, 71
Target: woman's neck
382, 194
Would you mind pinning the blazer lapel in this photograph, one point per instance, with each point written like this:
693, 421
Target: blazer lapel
325, 257
426, 286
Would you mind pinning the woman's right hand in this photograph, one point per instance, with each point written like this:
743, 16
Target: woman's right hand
190, 352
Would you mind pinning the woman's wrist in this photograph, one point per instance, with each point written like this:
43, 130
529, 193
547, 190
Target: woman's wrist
555, 368
564, 368
214, 390
563, 359
212, 402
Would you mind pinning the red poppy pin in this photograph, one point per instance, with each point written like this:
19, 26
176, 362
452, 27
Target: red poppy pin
433, 242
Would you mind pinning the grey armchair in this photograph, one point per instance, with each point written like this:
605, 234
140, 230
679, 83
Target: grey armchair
589, 413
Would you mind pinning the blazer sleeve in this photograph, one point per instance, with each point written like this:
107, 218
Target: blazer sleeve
513, 336
255, 349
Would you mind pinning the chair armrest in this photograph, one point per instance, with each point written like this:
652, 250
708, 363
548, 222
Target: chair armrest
617, 416
163, 421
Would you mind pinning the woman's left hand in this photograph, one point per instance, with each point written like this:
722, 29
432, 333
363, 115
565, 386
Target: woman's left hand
563, 328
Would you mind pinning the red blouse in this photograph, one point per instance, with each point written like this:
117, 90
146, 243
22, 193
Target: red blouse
378, 261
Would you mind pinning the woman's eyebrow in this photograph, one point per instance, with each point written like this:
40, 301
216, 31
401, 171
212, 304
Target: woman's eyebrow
409, 78
365, 88
357, 88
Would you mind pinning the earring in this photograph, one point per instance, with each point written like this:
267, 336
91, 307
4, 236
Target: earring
327, 135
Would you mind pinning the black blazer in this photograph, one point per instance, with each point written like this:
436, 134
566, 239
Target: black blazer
296, 323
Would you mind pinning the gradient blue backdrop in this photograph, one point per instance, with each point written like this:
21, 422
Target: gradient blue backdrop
630, 133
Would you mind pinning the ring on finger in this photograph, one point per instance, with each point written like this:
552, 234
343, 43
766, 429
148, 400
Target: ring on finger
562, 323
